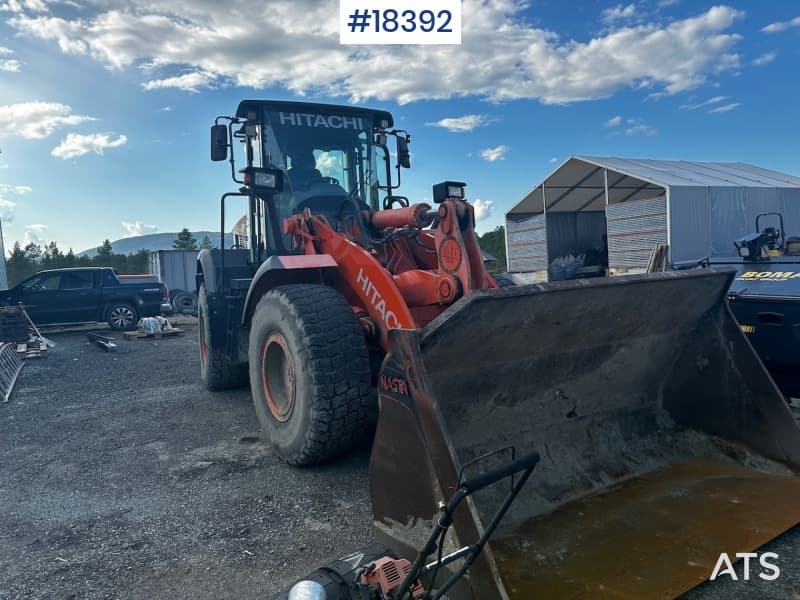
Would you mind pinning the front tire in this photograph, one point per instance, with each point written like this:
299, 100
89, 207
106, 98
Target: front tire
310, 374
121, 316
217, 371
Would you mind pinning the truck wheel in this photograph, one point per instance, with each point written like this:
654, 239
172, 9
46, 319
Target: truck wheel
310, 373
184, 302
121, 316
217, 371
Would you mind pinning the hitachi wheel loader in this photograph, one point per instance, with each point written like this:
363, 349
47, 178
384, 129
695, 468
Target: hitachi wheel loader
333, 260
582, 439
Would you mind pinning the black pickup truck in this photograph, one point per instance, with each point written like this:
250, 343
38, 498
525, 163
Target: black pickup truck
69, 296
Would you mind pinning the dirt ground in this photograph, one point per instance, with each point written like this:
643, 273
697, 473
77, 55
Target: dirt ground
120, 477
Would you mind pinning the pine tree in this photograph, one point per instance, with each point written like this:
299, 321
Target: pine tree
33, 252
19, 266
105, 248
185, 240
206, 243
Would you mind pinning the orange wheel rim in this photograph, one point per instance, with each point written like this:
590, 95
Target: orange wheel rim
278, 377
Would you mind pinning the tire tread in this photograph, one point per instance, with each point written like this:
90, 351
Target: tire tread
343, 408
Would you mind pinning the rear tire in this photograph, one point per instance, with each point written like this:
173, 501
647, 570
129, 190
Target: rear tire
184, 302
121, 316
217, 371
310, 374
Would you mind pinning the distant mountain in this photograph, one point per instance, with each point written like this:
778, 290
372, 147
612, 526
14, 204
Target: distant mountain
156, 241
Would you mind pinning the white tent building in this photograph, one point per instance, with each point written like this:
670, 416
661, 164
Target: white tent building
697, 208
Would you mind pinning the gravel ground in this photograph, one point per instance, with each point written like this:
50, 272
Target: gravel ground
120, 477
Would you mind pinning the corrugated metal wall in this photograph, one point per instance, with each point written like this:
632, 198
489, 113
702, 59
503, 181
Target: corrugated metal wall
526, 240
634, 228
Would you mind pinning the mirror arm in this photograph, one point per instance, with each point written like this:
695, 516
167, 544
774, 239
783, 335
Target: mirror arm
230, 148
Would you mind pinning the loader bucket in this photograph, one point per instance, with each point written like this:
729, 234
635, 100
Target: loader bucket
663, 440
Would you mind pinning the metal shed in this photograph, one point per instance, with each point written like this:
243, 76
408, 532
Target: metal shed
622, 207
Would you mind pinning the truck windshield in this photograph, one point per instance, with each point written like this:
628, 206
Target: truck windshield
327, 160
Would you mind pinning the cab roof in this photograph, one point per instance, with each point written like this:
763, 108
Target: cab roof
248, 106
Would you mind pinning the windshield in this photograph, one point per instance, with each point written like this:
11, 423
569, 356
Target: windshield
327, 160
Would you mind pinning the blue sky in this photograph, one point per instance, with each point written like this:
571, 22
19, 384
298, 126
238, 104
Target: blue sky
105, 105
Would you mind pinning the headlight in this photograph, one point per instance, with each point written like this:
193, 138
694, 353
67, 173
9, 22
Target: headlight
263, 180
266, 180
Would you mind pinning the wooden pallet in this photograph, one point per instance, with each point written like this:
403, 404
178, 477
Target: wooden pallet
138, 335
32, 349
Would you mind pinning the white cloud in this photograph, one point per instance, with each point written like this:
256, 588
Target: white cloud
9, 65
724, 108
7, 210
502, 57
613, 122
166, 109
19, 5
779, 26
7, 206
75, 145
553, 160
496, 153
709, 102
36, 120
6, 188
637, 127
137, 228
483, 208
765, 58
617, 13
189, 82
461, 124
34, 234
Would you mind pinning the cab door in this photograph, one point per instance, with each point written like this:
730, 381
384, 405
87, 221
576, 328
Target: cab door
40, 295
79, 296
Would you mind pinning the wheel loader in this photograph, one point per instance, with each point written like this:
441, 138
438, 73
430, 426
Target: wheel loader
334, 260
605, 438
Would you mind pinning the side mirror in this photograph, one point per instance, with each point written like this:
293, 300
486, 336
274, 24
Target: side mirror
403, 155
219, 142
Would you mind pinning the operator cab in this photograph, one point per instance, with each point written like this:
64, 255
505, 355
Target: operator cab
329, 155
332, 160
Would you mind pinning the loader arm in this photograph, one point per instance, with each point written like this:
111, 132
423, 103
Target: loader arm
363, 281
409, 275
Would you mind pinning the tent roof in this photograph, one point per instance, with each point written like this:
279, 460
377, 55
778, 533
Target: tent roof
578, 184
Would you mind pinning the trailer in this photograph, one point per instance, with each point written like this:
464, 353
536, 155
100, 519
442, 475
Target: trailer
176, 269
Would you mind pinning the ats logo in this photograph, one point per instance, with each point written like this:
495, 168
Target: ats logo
769, 571
394, 384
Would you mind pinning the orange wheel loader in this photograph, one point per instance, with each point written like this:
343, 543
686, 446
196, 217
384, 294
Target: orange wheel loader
334, 261
605, 438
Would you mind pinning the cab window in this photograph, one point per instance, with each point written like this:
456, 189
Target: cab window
333, 163
78, 280
44, 283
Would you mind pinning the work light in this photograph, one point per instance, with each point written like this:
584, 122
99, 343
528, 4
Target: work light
448, 189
